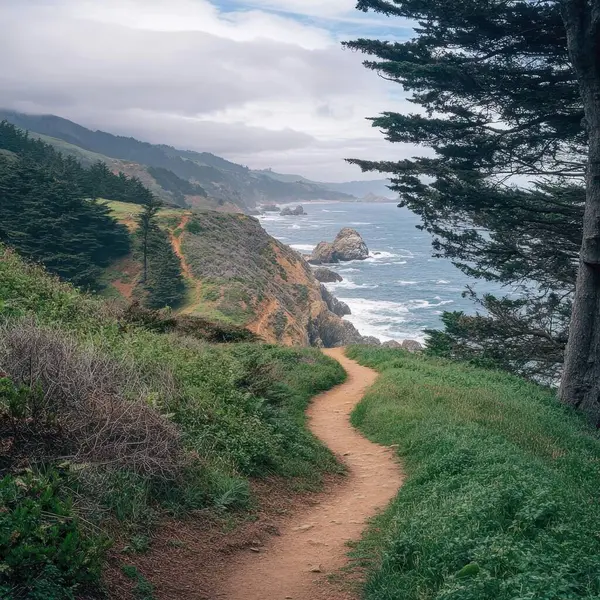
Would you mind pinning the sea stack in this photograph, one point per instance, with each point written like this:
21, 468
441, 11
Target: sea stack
292, 212
348, 245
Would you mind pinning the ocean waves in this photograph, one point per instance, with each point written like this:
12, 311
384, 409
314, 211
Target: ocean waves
399, 290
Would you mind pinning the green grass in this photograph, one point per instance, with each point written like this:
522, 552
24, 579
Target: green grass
239, 409
124, 211
501, 496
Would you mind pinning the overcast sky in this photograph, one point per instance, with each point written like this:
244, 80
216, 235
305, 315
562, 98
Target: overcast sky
261, 82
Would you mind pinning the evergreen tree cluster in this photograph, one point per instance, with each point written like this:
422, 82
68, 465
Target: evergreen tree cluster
161, 284
50, 212
502, 190
45, 217
96, 182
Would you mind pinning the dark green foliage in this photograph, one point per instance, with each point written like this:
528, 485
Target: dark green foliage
193, 226
499, 501
470, 68
100, 182
164, 284
96, 182
43, 553
46, 219
177, 186
162, 279
513, 336
146, 226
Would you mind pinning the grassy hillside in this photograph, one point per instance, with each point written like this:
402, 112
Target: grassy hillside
222, 179
501, 496
107, 424
235, 274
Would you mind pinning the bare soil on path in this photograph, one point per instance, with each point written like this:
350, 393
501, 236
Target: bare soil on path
313, 542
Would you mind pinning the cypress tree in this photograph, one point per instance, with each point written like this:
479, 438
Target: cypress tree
509, 90
46, 219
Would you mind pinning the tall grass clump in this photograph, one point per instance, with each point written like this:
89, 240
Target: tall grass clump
500, 500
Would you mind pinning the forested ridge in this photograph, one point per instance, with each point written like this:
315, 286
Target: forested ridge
222, 179
53, 211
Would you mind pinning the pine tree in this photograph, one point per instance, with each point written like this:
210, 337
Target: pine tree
164, 285
46, 219
501, 102
146, 226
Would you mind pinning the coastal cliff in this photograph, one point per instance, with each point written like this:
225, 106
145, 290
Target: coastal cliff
236, 273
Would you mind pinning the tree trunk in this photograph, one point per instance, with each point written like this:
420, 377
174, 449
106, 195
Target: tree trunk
145, 254
580, 385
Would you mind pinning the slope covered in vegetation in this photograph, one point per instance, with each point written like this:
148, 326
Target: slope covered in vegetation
500, 500
226, 181
238, 274
107, 418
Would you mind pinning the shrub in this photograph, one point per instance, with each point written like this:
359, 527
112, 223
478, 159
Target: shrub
43, 553
90, 407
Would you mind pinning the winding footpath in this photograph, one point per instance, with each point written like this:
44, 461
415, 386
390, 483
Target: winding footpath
312, 545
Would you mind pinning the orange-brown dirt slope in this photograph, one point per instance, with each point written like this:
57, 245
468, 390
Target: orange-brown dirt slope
236, 273
251, 279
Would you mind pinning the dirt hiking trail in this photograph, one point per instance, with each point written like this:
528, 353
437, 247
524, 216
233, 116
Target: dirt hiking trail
312, 544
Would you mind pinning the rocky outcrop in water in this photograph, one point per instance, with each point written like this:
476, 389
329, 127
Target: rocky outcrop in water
337, 307
292, 212
323, 254
348, 245
325, 275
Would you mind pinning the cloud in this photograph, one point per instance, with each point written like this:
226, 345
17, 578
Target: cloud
240, 82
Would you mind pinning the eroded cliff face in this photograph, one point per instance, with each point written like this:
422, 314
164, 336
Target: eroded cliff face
238, 274
245, 276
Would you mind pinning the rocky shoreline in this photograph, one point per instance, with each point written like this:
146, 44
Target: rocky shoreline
347, 246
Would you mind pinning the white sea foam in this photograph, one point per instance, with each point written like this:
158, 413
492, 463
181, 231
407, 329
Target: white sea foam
419, 304
381, 254
347, 284
270, 217
348, 270
441, 282
382, 319
376, 263
402, 282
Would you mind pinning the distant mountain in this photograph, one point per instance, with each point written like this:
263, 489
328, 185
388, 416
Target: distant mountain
284, 177
222, 179
362, 189
358, 189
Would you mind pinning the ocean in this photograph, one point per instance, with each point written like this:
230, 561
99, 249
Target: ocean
400, 290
